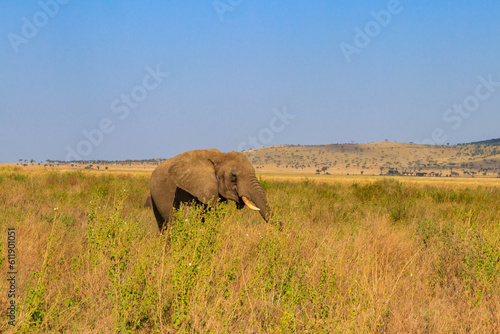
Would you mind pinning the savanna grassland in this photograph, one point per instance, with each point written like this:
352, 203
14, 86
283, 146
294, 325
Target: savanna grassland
480, 159
348, 256
467, 160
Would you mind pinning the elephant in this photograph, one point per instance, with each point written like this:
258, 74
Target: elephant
204, 177
147, 202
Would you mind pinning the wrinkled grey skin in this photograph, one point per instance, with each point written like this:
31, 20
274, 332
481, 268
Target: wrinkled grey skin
203, 177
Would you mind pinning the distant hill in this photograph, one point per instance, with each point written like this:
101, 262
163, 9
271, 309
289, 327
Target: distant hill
493, 142
482, 158
473, 159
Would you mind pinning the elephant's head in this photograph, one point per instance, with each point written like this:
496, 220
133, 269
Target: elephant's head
237, 182
210, 174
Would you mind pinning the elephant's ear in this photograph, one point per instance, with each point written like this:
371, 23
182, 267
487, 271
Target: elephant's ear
194, 172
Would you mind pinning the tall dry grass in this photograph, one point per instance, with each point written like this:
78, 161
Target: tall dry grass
382, 256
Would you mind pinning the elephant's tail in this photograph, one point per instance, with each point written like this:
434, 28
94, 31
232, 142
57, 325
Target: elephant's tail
148, 202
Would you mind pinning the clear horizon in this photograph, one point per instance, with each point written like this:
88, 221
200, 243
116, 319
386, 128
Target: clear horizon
125, 80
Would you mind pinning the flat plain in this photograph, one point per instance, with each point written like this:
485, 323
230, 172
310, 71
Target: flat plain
473, 160
346, 254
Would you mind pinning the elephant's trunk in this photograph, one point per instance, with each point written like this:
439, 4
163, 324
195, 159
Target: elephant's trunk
252, 190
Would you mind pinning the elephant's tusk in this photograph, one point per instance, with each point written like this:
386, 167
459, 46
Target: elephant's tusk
249, 204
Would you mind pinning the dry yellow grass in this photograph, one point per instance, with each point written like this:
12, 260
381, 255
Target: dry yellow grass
353, 255
449, 183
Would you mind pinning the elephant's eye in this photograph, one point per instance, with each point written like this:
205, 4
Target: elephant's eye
232, 177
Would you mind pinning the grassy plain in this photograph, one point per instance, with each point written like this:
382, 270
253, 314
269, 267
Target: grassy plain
379, 158
476, 160
353, 255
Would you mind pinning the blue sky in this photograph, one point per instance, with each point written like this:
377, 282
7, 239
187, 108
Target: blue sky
133, 80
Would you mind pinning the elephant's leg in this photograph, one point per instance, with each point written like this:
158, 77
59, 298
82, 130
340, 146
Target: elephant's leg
210, 195
210, 205
210, 200
182, 196
160, 220
162, 198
